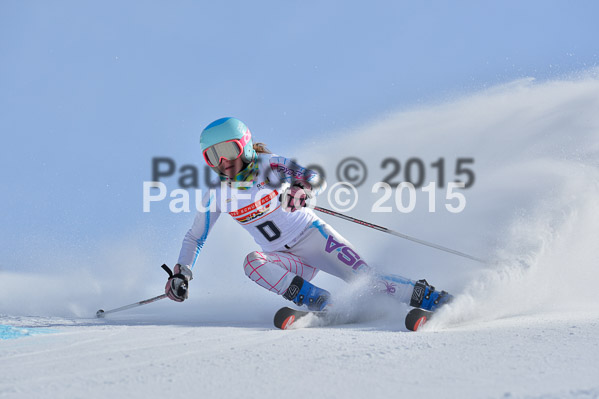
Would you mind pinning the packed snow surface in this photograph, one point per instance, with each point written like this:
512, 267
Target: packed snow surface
553, 356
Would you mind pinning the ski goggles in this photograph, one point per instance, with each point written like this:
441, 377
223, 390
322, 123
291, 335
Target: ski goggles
229, 150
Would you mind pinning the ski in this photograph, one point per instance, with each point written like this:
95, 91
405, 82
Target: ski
286, 316
416, 318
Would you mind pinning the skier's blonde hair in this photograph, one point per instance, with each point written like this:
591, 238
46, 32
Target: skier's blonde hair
260, 148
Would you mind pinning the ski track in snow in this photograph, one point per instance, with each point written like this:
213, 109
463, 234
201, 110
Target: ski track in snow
530, 357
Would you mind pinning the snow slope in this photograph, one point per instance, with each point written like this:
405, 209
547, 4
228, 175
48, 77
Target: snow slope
524, 325
549, 356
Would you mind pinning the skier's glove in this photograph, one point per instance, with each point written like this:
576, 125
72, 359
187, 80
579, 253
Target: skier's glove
295, 197
177, 285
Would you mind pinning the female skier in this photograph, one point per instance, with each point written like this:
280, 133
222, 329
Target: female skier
266, 194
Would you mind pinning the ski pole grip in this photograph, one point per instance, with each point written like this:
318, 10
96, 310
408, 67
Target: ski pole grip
168, 270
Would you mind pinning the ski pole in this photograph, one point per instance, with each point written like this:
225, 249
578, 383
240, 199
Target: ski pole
395, 233
101, 313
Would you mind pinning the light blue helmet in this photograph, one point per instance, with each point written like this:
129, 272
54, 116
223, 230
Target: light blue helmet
228, 129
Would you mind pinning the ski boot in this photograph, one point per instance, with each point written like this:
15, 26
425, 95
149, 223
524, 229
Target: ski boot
302, 292
425, 297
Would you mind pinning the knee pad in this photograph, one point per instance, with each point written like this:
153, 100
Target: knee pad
252, 261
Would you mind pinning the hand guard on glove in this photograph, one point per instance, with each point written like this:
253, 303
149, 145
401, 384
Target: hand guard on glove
295, 197
177, 285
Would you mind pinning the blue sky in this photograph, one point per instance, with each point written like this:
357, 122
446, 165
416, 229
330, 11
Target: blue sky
91, 91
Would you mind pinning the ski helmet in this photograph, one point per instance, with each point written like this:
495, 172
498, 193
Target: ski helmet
226, 138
